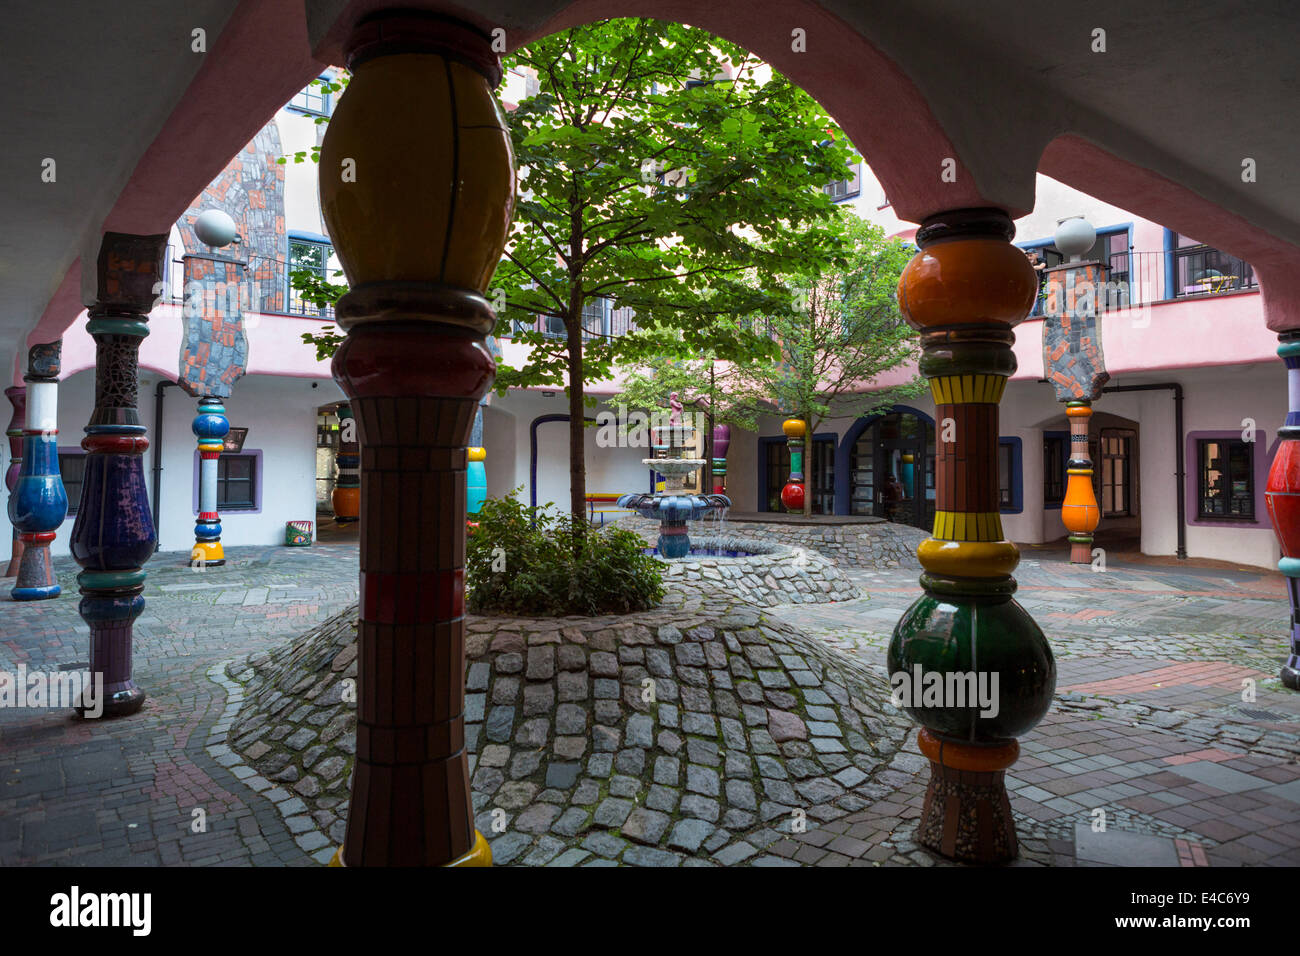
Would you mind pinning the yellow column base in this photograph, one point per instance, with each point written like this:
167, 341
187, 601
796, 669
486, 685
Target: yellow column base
207, 552
480, 854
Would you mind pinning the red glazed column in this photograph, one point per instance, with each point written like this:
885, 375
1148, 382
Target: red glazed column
417, 188
1283, 500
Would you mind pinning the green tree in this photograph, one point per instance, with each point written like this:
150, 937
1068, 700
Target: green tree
846, 332
707, 385
666, 171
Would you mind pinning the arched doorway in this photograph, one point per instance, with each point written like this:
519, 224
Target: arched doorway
890, 467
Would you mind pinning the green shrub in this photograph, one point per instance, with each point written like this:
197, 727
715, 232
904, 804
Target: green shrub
534, 563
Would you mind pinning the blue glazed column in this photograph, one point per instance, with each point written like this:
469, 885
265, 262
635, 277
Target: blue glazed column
114, 536
475, 469
39, 503
210, 427
17, 396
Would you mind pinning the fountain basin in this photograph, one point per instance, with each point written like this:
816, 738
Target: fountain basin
672, 511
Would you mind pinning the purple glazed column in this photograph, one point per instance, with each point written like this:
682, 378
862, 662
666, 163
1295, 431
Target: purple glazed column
114, 535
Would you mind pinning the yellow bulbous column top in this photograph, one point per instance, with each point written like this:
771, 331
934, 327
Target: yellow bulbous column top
417, 173
794, 428
477, 454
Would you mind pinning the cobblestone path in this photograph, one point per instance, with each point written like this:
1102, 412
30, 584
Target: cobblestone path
144, 791
1149, 728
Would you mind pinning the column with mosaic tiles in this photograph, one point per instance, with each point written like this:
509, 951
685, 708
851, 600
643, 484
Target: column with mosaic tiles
965, 291
114, 534
1074, 363
419, 231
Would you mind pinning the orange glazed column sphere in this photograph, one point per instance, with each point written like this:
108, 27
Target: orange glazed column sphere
977, 281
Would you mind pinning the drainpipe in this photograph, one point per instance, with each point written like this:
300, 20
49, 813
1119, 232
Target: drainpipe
1178, 452
157, 454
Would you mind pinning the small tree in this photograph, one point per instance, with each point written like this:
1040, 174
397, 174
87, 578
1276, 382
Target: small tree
663, 173
846, 333
707, 384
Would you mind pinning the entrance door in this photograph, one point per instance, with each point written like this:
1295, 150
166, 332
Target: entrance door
892, 471
901, 498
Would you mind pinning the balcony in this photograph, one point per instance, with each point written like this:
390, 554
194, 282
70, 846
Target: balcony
265, 289
1134, 279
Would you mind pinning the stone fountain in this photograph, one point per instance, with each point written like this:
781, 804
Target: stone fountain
674, 506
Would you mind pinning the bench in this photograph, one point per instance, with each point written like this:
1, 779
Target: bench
595, 499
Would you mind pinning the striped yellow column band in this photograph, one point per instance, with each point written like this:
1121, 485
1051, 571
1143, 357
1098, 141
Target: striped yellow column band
968, 525
975, 389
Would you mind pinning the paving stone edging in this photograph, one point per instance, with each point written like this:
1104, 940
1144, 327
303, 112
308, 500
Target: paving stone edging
752, 721
879, 545
775, 574
309, 837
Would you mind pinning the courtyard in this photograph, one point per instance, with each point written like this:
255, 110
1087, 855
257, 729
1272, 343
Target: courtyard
1154, 752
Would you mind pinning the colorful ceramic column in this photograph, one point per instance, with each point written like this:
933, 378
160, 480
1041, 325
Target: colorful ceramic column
1282, 496
792, 495
475, 470
721, 442
966, 660
347, 483
39, 503
214, 355
114, 534
419, 230
1074, 363
210, 427
17, 396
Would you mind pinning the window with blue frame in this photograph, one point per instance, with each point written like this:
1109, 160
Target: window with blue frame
313, 100
313, 256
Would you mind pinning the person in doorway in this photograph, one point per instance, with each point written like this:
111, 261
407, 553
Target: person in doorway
894, 494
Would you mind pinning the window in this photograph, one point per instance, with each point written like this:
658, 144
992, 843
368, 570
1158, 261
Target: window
553, 326
1004, 476
595, 317
313, 100
846, 188
1056, 451
1200, 269
72, 466
313, 256
1227, 479
237, 483
1116, 471
1010, 483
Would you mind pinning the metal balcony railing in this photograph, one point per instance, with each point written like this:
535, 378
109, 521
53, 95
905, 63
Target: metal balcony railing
1133, 279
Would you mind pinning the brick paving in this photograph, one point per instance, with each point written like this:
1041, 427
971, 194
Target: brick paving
1150, 733
1155, 732
144, 790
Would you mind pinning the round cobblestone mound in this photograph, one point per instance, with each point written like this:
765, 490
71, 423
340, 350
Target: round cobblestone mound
771, 574
879, 545
696, 733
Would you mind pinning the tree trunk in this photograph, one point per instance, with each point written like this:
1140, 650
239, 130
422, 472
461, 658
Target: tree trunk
577, 425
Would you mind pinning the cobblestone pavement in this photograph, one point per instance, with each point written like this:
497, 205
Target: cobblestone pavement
126, 792
1150, 727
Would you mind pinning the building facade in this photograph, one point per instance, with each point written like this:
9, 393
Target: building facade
1182, 411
